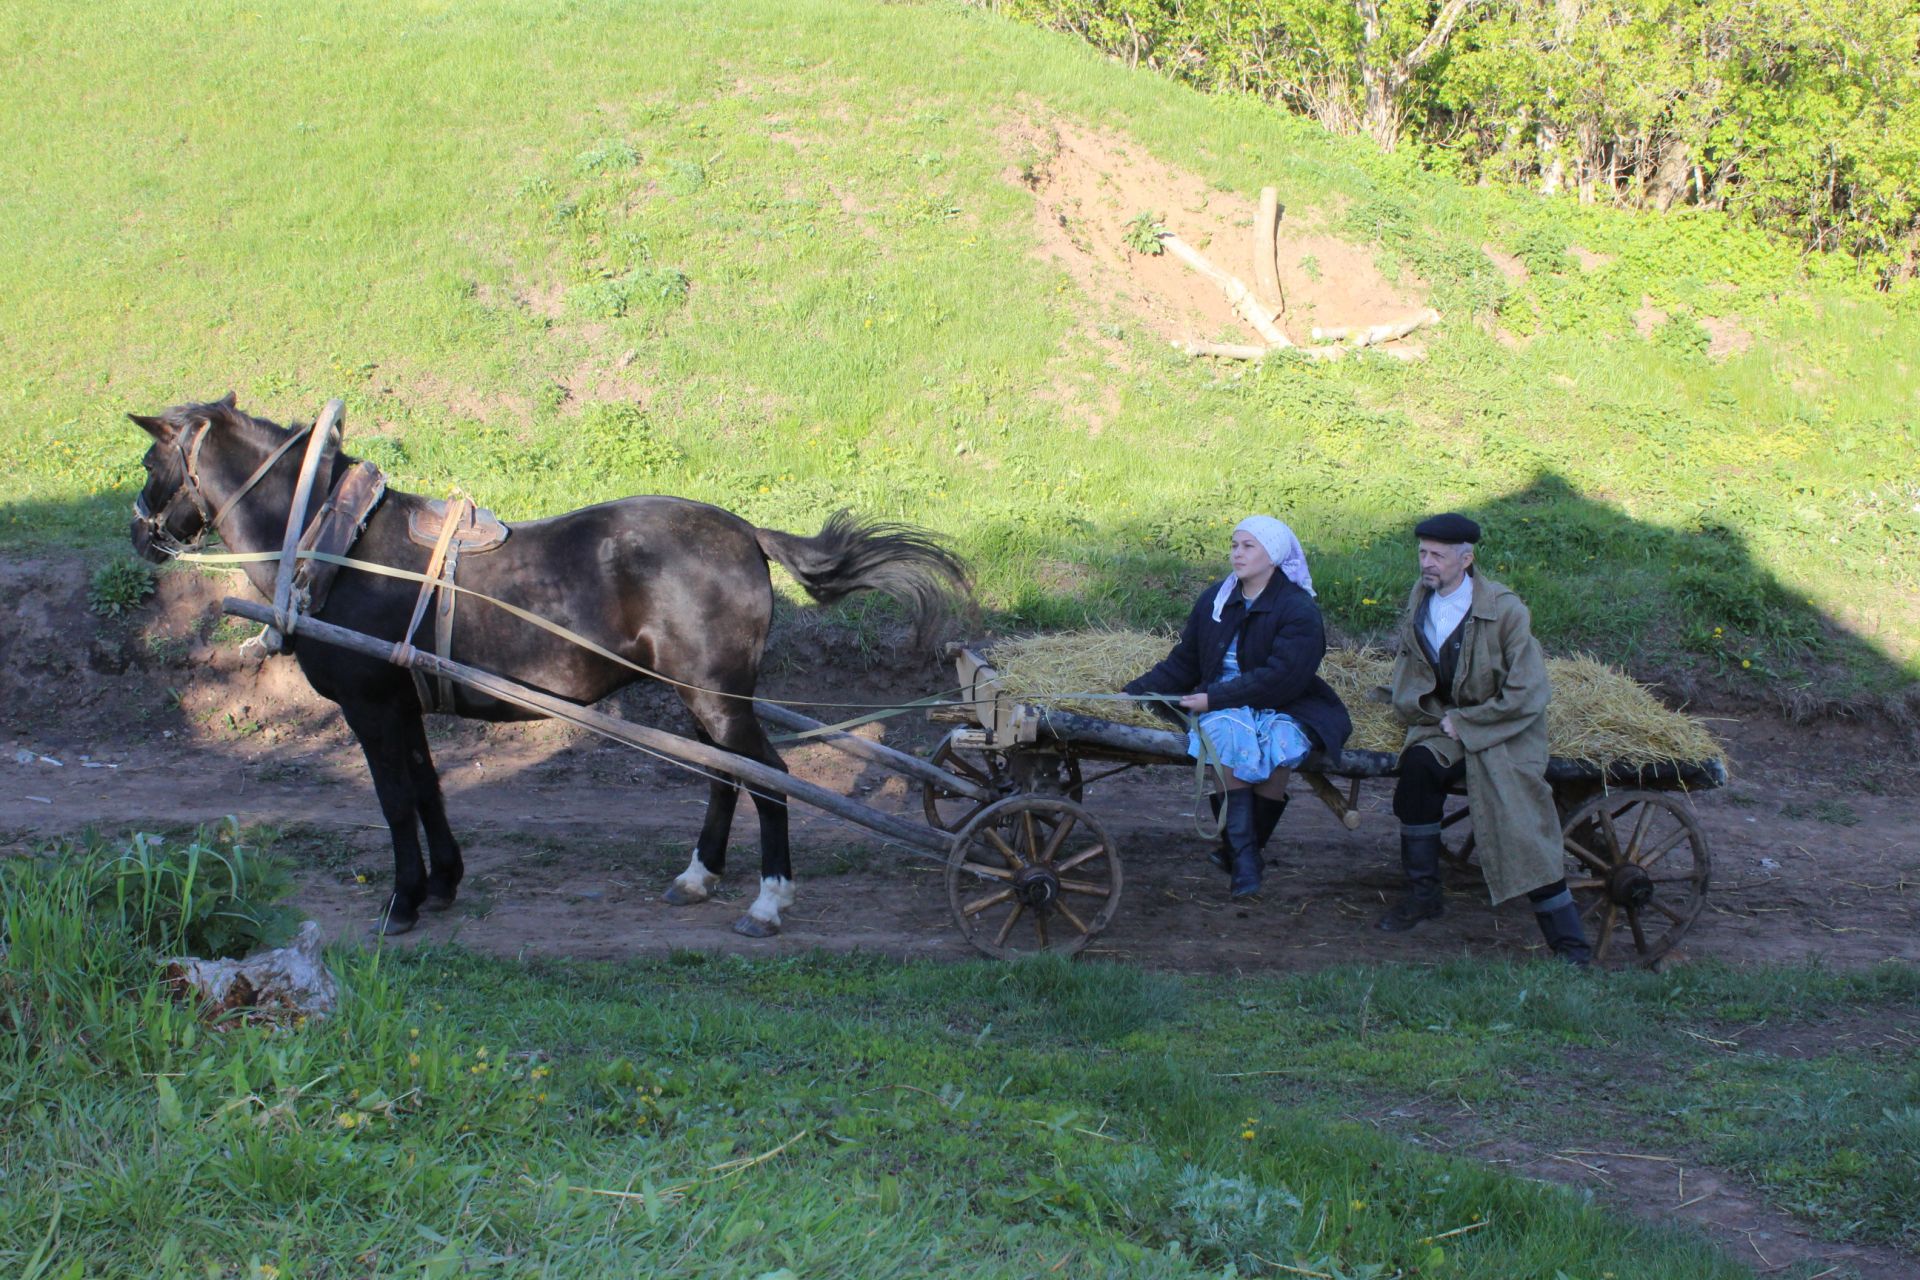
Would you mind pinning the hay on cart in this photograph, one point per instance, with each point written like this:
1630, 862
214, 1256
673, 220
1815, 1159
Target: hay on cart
1599, 715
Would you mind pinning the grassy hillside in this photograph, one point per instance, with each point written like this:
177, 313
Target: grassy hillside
768, 255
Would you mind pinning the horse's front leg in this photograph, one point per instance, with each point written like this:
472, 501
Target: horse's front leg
383, 733
448, 867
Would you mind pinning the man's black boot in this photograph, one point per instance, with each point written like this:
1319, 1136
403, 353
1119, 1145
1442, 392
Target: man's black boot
1559, 918
1420, 859
1248, 863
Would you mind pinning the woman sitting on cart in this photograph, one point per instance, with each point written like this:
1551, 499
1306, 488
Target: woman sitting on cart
1248, 664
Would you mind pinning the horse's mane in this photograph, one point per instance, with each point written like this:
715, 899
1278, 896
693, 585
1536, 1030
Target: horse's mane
223, 413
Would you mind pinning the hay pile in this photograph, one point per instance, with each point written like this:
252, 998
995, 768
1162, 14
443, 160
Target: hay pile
1598, 715
1038, 669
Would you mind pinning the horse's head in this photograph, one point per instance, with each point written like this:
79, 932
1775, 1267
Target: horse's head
172, 514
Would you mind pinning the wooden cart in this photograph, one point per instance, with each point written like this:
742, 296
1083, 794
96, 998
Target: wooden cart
1034, 869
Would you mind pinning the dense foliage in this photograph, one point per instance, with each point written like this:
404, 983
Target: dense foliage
1800, 118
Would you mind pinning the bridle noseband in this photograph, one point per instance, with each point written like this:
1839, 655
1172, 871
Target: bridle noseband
155, 522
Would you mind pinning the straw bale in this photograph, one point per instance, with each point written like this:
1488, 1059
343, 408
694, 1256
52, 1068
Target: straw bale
1598, 714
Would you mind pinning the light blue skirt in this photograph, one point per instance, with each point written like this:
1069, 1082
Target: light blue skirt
1251, 744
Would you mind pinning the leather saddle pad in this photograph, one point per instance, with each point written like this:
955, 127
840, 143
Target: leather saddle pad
480, 530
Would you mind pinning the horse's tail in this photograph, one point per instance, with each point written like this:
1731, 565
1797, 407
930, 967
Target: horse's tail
897, 560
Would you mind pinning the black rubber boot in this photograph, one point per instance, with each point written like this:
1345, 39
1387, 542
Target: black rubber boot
1221, 855
1266, 816
1248, 863
1559, 919
1420, 859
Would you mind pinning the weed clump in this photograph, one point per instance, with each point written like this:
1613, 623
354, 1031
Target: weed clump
117, 587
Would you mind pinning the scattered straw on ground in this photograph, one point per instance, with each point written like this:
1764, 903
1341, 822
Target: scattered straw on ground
1598, 715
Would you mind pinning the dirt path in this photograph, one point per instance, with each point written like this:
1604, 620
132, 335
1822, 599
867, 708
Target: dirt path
570, 842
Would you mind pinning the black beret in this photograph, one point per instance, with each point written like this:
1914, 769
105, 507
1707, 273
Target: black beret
1450, 527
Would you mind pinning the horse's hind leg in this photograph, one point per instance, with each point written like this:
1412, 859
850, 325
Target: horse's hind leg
709, 862
738, 730
385, 735
448, 868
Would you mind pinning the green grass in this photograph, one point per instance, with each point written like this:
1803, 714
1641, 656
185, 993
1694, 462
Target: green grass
765, 255
851, 1115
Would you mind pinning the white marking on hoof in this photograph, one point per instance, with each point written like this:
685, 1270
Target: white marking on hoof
695, 884
775, 892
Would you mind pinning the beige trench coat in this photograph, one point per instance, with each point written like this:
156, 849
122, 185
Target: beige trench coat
1500, 697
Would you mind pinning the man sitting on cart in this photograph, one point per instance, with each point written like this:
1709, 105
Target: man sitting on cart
1470, 684
1247, 664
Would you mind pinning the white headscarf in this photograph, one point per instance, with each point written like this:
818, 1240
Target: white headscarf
1281, 546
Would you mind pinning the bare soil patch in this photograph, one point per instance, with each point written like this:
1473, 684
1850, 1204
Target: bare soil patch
1088, 184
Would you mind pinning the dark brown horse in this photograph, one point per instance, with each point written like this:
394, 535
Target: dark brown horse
678, 587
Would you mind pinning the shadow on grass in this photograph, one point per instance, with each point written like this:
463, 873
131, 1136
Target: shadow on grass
1688, 607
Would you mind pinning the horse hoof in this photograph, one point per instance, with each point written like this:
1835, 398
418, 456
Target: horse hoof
678, 895
754, 927
438, 902
392, 925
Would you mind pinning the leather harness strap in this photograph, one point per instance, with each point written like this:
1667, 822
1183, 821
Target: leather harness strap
404, 650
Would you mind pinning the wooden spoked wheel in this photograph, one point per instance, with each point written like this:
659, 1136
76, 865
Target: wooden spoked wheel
1033, 874
1638, 869
949, 810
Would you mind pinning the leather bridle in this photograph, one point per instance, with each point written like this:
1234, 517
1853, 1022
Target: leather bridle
155, 522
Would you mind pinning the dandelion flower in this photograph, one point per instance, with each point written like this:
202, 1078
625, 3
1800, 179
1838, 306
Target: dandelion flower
1745, 663
1247, 1134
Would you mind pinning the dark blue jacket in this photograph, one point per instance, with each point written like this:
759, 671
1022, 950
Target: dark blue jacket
1281, 643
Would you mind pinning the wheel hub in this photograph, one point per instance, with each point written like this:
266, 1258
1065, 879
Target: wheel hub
1036, 886
1630, 886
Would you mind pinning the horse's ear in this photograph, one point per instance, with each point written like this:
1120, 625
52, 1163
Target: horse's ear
158, 428
226, 401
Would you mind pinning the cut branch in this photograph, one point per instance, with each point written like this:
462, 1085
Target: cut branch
1237, 293
1237, 351
1266, 263
1373, 335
